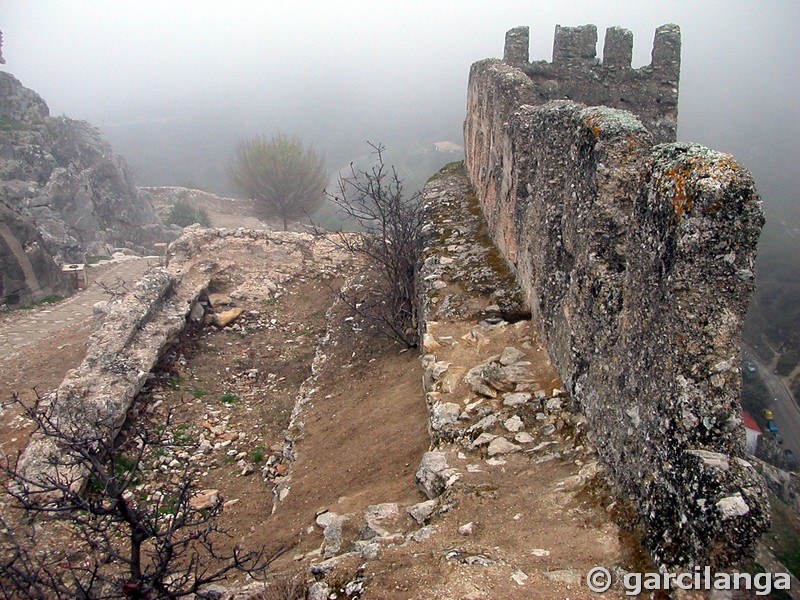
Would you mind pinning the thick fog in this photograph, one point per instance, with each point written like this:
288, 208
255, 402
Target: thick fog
175, 84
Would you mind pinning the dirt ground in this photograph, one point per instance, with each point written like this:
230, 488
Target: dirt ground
300, 408
357, 442
40, 366
362, 438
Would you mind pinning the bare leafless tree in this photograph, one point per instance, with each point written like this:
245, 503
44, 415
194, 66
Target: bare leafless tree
113, 543
391, 224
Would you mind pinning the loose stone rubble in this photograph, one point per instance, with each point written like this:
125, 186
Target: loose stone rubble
135, 329
489, 410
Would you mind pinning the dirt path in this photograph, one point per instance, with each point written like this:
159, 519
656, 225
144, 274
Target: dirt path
38, 346
22, 328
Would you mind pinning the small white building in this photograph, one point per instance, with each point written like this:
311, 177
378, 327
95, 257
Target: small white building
752, 430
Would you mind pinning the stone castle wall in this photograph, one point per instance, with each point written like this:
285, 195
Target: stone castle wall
637, 262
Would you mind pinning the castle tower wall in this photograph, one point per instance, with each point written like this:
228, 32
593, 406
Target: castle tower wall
638, 266
618, 48
516, 47
575, 47
575, 73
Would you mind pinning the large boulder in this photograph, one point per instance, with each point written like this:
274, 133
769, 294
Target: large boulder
27, 272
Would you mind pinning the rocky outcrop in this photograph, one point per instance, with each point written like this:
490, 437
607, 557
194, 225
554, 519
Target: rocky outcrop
62, 178
27, 271
637, 264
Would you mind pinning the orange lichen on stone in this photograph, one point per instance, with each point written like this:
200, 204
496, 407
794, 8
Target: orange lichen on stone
681, 201
592, 122
676, 180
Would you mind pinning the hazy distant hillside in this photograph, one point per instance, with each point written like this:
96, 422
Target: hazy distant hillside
192, 148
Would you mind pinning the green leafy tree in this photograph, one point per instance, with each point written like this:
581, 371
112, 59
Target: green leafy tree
287, 179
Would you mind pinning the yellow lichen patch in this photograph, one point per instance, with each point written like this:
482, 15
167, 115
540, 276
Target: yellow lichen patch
681, 177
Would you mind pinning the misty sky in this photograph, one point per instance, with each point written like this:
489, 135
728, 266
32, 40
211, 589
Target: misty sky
331, 71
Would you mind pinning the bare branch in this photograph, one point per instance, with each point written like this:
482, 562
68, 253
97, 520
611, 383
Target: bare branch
120, 547
392, 227
116, 289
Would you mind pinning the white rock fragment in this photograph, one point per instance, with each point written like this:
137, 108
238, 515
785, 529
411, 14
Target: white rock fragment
467, 529
516, 398
510, 355
483, 439
553, 404
422, 511
434, 475
485, 423
523, 437
444, 413
420, 535
501, 445
513, 424
519, 577
733, 506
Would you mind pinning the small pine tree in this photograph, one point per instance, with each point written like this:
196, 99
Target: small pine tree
184, 214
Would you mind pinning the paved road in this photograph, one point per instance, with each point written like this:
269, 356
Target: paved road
21, 328
785, 409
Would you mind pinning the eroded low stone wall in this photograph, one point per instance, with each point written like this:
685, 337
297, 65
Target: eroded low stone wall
164, 197
638, 265
95, 397
132, 332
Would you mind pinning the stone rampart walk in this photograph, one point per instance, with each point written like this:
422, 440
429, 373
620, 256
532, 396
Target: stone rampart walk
20, 328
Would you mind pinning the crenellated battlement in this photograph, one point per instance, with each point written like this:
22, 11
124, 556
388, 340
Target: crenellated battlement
575, 73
